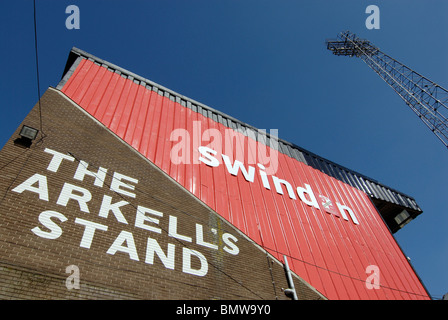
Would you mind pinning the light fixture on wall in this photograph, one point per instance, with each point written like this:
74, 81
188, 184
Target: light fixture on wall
27, 135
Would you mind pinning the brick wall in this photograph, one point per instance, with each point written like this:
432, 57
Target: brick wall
109, 225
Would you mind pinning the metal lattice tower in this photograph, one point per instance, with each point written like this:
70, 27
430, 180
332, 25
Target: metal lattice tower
427, 99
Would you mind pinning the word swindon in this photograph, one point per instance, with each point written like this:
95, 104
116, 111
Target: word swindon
306, 194
145, 218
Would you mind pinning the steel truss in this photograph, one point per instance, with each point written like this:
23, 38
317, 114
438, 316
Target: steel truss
427, 99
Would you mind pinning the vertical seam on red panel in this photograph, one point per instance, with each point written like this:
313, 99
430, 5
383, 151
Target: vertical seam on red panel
151, 109
109, 75
133, 97
156, 149
121, 84
103, 104
90, 77
85, 82
169, 144
77, 79
141, 118
121, 107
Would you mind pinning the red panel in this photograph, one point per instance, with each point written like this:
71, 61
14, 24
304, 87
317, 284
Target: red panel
138, 117
328, 251
76, 79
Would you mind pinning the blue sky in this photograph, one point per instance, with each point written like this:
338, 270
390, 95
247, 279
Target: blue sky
265, 63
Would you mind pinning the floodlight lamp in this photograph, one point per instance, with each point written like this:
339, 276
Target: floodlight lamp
28, 133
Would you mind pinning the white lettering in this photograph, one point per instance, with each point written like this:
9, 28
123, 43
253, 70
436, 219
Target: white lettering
172, 230
154, 247
200, 238
278, 182
117, 184
57, 159
311, 199
203, 311
141, 217
342, 210
305, 193
67, 194
209, 159
89, 231
264, 176
130, 249
82, 171
233, 170
45, 218
146, 218
186, 262
41, 189
107, 206
230, 246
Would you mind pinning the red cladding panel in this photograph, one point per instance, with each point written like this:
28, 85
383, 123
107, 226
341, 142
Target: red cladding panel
329, 251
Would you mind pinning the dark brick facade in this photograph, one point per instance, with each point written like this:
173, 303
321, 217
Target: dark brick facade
105, 234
